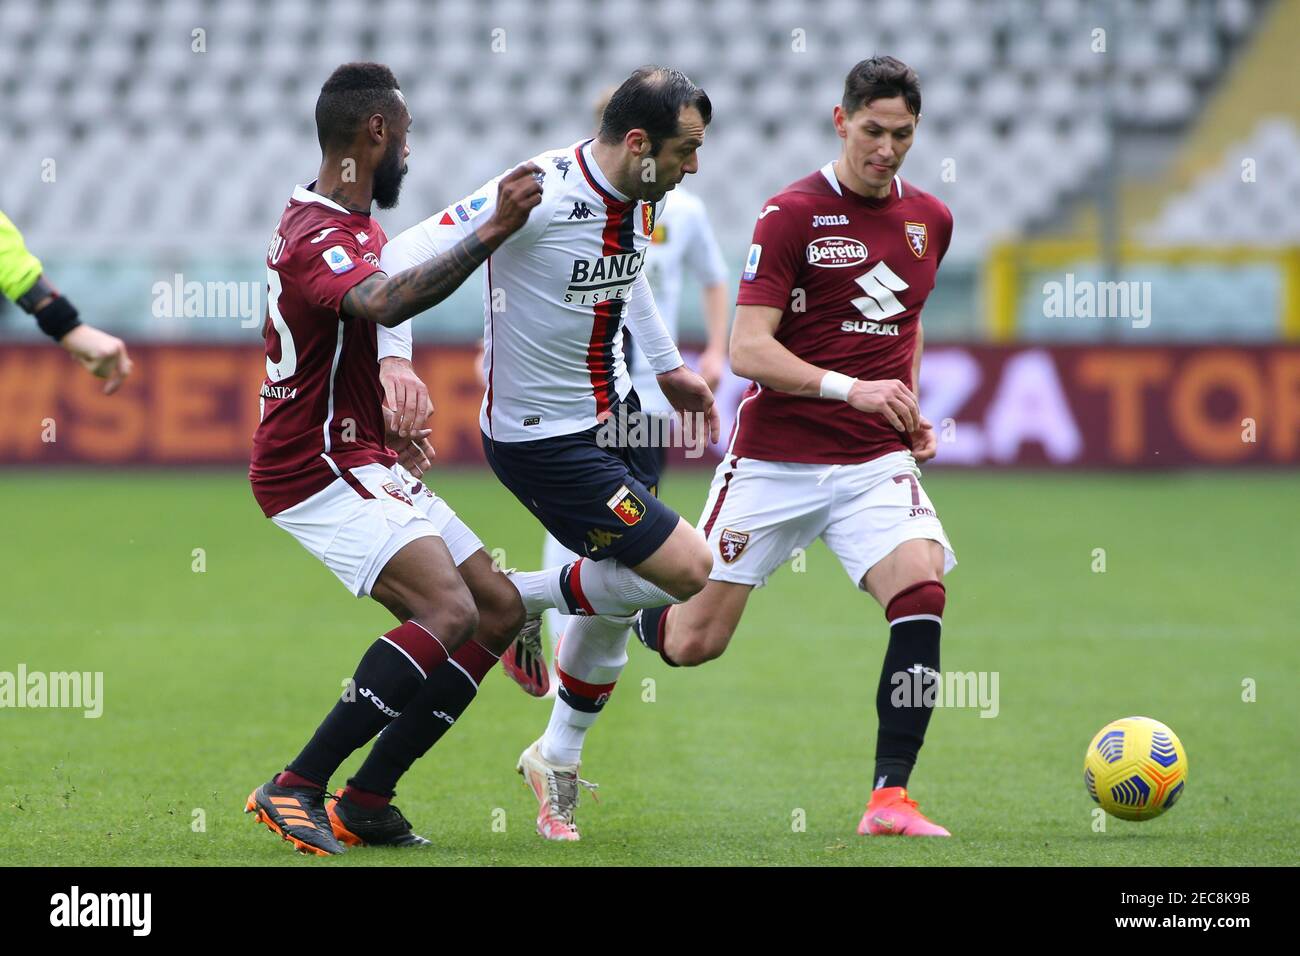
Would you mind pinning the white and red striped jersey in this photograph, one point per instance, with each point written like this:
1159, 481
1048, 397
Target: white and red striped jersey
556, 295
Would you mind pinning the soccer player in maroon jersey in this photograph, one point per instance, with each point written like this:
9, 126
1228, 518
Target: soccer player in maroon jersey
323, 469
829, 435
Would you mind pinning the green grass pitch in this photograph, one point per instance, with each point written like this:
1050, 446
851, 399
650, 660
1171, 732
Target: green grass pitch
213, 679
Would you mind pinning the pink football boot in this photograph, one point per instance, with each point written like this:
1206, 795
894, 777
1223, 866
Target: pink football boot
525, 662
891, 813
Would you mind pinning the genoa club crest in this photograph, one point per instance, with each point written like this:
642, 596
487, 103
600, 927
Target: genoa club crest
627, 506
731, 544
647, 218
917, 238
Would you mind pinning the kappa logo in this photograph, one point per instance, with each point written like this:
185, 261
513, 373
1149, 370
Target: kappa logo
840, 220
598, 538
562, 163
918, 237
731, 544
629, 508
396, 492
581, 211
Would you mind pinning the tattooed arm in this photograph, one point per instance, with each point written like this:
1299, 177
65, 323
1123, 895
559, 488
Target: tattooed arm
389, 301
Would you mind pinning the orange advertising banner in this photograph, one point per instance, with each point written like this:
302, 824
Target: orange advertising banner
993, 406
185, 405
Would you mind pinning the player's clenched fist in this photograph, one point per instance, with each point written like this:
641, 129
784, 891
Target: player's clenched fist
517, 193
890, 398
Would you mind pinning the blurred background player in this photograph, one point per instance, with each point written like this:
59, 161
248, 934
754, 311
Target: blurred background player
558, 403
829, 436
323, 469
23, 281
682, 243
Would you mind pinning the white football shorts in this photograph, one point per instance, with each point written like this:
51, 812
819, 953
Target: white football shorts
357, 523
759, 512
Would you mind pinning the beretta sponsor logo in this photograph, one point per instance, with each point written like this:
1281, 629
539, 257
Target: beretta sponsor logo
836, 252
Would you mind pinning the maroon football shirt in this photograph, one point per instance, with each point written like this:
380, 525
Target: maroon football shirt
850, 275
321, 396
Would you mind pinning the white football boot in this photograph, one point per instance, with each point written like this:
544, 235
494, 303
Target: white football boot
556, 788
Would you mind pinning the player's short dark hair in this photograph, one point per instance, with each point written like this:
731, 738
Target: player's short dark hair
652, 99
353, 93
881, 78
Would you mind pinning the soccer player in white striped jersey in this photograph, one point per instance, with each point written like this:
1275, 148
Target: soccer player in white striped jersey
682, 244
559, 415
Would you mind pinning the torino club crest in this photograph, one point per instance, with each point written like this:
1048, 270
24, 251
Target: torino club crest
731, 544
917, 237
396, 492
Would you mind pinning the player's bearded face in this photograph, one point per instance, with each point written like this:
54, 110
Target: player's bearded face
389, 173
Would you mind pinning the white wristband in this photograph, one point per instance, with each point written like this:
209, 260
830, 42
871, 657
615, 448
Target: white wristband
836, 385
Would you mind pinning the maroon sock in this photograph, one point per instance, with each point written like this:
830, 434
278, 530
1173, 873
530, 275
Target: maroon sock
365, 799
288, 778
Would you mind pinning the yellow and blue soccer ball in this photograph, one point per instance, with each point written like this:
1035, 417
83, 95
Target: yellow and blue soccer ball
1135, 768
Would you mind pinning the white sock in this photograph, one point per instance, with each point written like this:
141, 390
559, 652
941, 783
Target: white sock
602, 587
538, 590
555, 554
615, 589
594, 651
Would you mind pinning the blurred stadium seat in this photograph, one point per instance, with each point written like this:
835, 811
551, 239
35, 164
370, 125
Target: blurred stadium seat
166, 155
